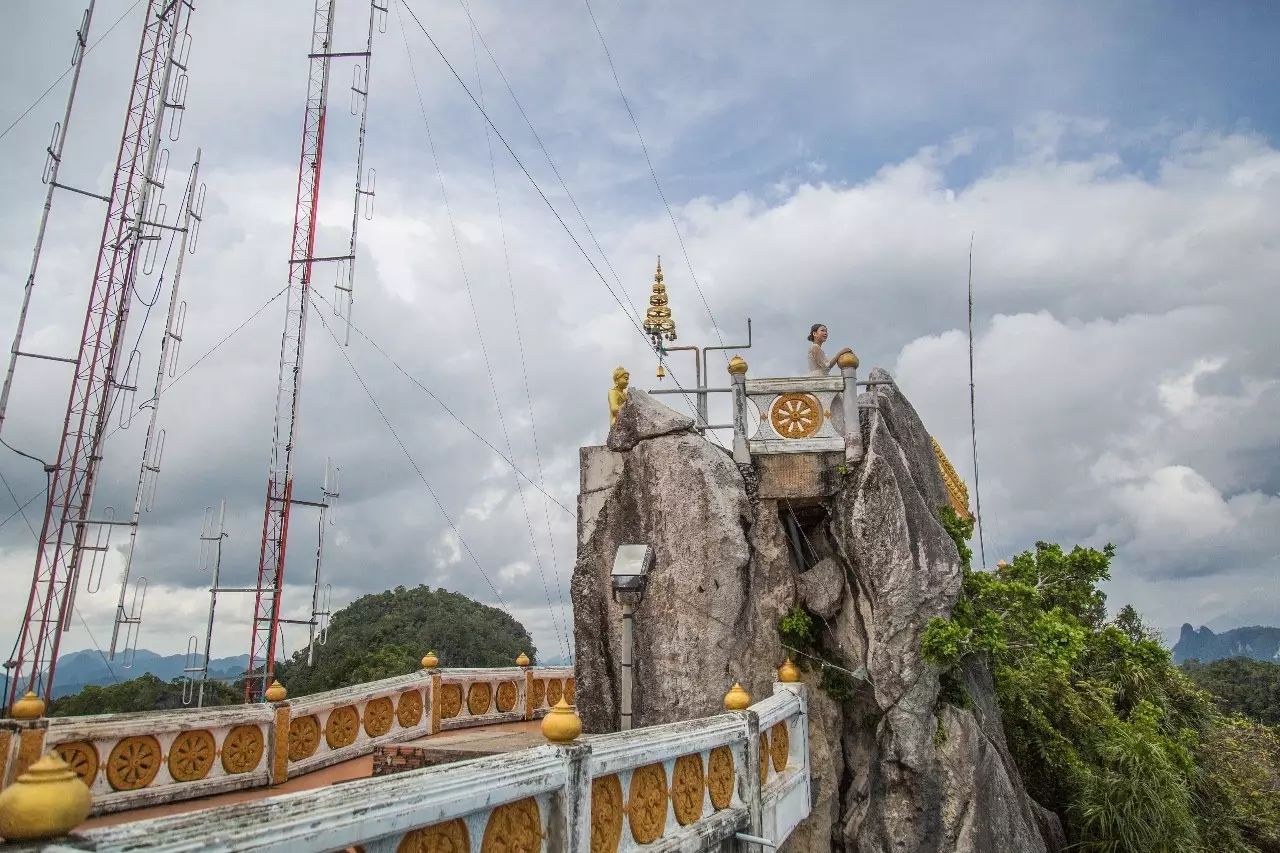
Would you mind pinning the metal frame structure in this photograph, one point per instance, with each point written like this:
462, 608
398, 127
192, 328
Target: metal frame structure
73, 476
265, 635
153, 447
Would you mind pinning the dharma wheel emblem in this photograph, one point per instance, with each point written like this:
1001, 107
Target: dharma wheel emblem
795, 415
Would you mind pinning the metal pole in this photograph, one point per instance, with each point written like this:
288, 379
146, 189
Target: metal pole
628, 617
55, 162
701, 413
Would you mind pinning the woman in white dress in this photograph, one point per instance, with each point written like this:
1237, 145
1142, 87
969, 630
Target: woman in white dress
819, 364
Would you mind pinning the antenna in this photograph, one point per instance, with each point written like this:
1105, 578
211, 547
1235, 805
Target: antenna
344, 299
973, 418
320, 609
212, 532
263, 640
144, 495
52, 164
73, 476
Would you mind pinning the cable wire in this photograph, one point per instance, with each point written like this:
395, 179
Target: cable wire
450, 412
547, 201
412, 462
653, 172
475, 28
567, 646
64, 74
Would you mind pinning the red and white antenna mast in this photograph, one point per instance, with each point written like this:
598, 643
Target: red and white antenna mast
302, 258
72, 478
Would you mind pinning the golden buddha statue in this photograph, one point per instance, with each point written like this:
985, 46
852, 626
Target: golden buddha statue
618, 393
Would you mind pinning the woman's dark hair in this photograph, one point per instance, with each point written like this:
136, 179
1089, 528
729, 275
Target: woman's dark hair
813, 330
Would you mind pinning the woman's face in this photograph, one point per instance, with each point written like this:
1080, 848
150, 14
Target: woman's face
820, 336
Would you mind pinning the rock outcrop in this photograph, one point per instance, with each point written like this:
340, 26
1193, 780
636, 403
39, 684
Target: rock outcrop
894, 768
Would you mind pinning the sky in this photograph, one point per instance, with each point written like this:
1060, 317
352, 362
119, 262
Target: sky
1116, 167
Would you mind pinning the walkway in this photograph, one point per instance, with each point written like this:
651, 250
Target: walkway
356, 768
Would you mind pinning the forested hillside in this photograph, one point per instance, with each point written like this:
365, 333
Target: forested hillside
374, 637
1240, 686
387, 634
144, 693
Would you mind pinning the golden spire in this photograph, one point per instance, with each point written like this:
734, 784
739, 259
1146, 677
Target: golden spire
657, 320
957, 492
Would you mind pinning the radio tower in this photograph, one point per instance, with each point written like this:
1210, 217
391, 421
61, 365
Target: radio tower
302, 258
73, 476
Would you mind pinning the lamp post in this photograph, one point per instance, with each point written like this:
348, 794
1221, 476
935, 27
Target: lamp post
631, 566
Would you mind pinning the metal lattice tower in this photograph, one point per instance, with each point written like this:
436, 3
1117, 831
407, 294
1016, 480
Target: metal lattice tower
73, 476
302, 260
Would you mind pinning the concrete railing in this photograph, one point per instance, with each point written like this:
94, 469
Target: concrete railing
142, 759
684, 786
802, 414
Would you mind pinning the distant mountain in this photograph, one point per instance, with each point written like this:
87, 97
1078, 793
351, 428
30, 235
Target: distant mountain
77, 670
1258, 642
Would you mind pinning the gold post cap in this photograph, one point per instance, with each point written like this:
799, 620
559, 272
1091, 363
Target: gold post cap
276, 692
523, 660
561, 724
430, 661
47, 801
737, 365
29, 707
737, 699
847, 359
788, 673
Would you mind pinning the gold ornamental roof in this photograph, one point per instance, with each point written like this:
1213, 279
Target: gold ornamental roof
956, 489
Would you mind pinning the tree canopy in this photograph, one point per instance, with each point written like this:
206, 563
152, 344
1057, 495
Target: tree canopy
387, 633
144, 693
1105, 730
1240, 686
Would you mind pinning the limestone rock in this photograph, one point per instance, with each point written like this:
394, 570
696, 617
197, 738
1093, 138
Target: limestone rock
822, 589
643, 417
893, 768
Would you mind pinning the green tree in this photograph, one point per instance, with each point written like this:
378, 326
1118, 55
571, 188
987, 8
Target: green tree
1105, 730
144, 693
387, 633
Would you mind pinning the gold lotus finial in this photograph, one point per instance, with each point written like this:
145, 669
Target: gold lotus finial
276, 692
522, 660
29, 707
788, 673
561, 724
47, 801
430, 661
737, 699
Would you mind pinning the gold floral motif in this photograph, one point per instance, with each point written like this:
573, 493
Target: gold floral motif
133, 763
448, 837
795, 415
82, 757
555, 690
377, 716
479, 698
687, 788
647, 803
304, 737
606, 814
450, 700
764, 757
242, 749
720, 777
191, 755
570, 690
539, 696
513, 828
506, 696
409, 710
779, 745
342, 727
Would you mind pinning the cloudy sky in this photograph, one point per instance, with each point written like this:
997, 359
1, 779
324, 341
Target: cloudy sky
1118, 166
